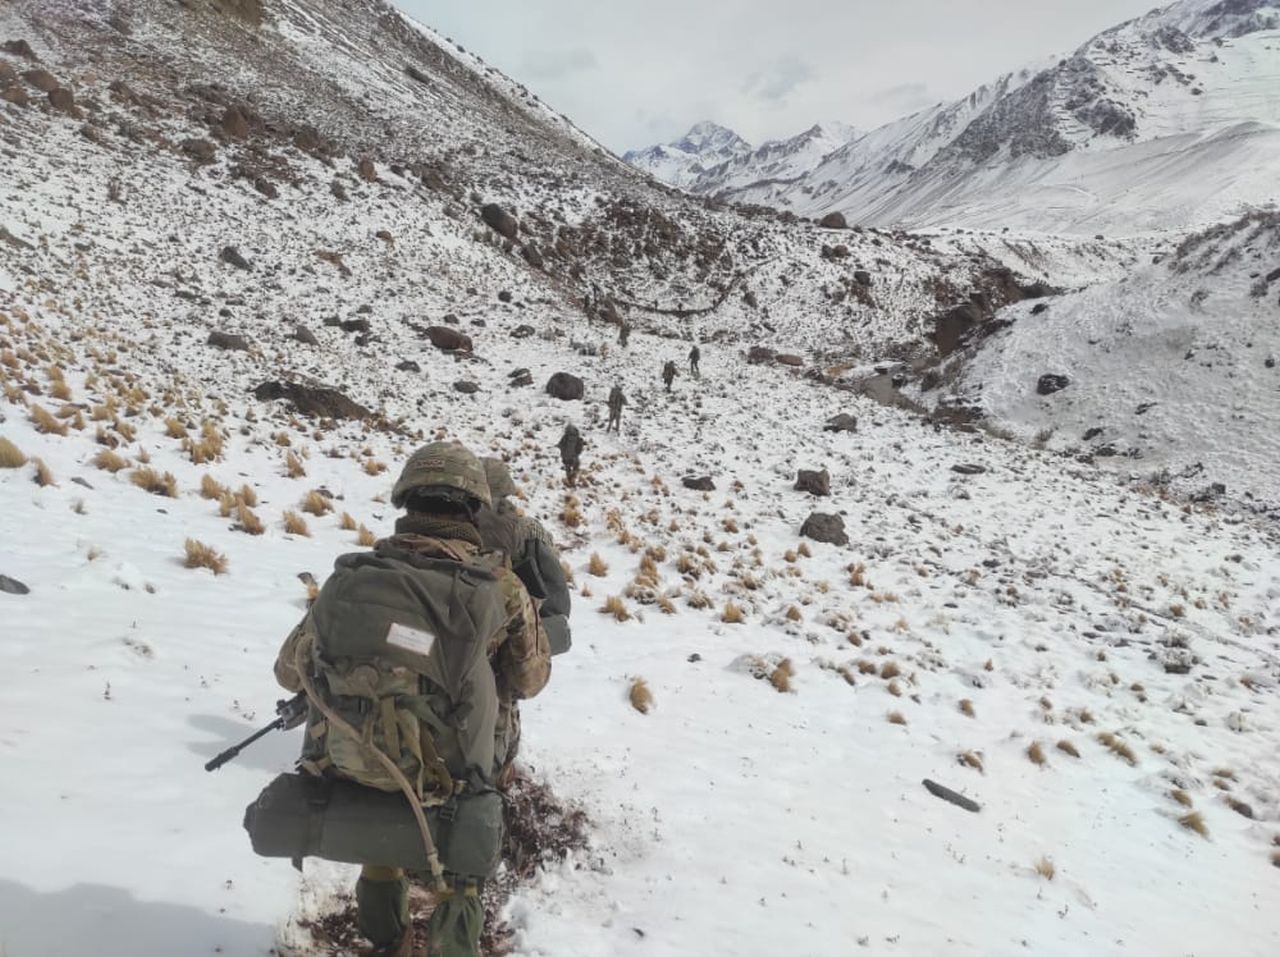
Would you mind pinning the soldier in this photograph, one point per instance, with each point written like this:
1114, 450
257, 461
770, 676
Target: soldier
669, 373
443, 487
571, 445
695, 355
616, 401
624, 334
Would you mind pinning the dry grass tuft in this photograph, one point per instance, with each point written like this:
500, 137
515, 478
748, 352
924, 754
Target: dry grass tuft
804, 551
174, 428
157, 483
1275, 858
597, 566
314, 503
966, 707
374, 468
347, 523
782, 674
614, 605
1195, 822
794, 613
45, 421
313, 592
44, 475
666, 605
971, 759
640, 696
247, 495
1244, 810
1181, 796
293, 466
896, 717
1118, 747
732, 614
282, 439
295, 524
571, 515
211, 488
200, 555
1066, 747
1045, 868
890, 670
858, 575
366, 538
11, 456
1035, 753
247, 521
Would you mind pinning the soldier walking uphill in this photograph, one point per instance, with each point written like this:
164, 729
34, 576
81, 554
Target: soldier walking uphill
695, 356
399, 644
571, 445
669, 373
616, 401
624, 334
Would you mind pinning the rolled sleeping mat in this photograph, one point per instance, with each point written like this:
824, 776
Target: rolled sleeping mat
558, 635
298, 815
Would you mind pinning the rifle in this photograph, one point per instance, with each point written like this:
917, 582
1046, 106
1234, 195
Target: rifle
289, 714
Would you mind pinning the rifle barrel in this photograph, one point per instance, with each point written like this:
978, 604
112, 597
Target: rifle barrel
235, 749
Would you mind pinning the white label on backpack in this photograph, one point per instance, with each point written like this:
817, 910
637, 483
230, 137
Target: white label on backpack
411, 639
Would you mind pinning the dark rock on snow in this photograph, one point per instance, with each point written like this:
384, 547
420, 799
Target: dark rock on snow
305, 336
833, 221
565, 387
408, 365
11, 586
231, 256
815, 483
822, 527
449, 340
228, 342
699, 483
466, 387
844, 422
522, 332
500, 221
317, 401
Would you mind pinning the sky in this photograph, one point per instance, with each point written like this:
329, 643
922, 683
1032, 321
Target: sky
634, 74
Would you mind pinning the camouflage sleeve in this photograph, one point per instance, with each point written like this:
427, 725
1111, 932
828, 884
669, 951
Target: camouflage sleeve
523, 659
286, 673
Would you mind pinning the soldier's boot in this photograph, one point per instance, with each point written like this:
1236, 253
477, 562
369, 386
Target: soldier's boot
456, 923
382, 911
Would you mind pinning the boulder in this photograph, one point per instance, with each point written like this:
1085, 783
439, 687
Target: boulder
815, 483
822, 527
200, 150
228, 342
500, 221
367, 170
355, 325
844, 422
11, 586
833, 221
234, 123
533, 256
950, 327
266, 187
20, 48
565, 387
519, 378
15, 95
8, 75
315, 401
449, 340
231, 256
789, 360
1051, 383
504, 296
466, 387
966, 469
42, 80
862, 277
339, 191
835, 253
699, 483
759, 354
305, 336
63, 100
408, 365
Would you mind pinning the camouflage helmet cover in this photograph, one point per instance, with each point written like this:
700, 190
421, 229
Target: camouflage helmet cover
442, 465
499, 478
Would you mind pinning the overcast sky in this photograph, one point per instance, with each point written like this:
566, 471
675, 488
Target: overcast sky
636, 72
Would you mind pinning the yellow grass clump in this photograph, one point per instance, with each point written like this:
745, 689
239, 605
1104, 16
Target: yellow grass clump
43, 476
11, 456
804, 551
247, 521
781, 676
315, 503
1195, 822
890, 670
1045, 868
971, 759
732, 614
794, 613
1118, 747
211, 488
200, 555
157, 483
174, 428
666, 605
374, 467
366, 538
597, 566
110, 461
45, 421
1035, 753
295, 524
247, 495
896, 717
347, 523
640, 696
293, 466
1181, 796
570, 514
615, 606
966, 707
1066, 747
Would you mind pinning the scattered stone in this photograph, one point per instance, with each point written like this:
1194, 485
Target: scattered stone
835, 253
63, 100
305, 336
227, 341
201, 150
1039, 309
519, 378
385, 236
466, 387
1051, 383
1093, 434
565, 387
83, 483
789, 360
833, 221
758, 354
698, 483
15, 95
367, 170
449, 340
266, 187
232, 257
11, 586
951, 797
500, 221
1145, 407
1271, 362
339, 191
862, 278
815, 483
355, 325
450, 319
408, 365
42, 80
533, 256
235, 124
822, 527
20, 48
316, 401
844, 422
504, 296
963, 469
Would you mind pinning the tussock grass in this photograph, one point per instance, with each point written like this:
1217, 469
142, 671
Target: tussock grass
46, 422
175, 429
971, 759
1195, 822
1240, 807
640, 696
894, 689
1066, 747
211, 488
666, 605
43, 474
248, 495
804, 551
11, 456
732, 614
571, 513
1035, 753
247, 521
347, 523
295, 524
896, 717
867, 667
293, 466
157, 483
615, 606
60, 390
966, 707
124, 429
315, 503
1275, 858
781, 676
1181, 796
200, 555
282, 439
597, 566
794, 613
890, 670
858, 575
373, 467
1045, 868
365, 538
698, 600
1118, 747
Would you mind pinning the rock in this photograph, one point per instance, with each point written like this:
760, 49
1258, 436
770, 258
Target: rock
522, 331
789, 360
565, 387
1244, 810
951, 797
42, 80
449, 340
408, 365
11, 586
1270, 363
862, 277
235, 124
1092, 434
8, 75
833, 221
316, 401
63, 100
232, 257
1145, 407
950, 327
305, 336
20, 48
480, 323
1039, 309
83, 483
228, 342
970, 469
519, 378
815, 483
367, 170
385, 236
1273, 276
844, 422
1051, 383
699, 483
533, 256
339, 191
835, 253
466, 387
450, 319
266, 187
201, 150
15, 95
822, 527
759, 354
504, 296
355, 325
500, 221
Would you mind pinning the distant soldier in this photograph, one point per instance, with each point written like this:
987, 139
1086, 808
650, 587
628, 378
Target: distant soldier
624, 334
695, 355
669, 373
616, 401
571, 445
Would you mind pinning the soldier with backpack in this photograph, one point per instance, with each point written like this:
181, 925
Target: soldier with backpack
695, 356
616, 401
571, 445
413, 659
669, 373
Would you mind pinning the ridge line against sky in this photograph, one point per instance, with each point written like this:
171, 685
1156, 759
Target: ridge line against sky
637, 75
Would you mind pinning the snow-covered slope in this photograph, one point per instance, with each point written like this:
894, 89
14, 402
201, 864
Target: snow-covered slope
681, 162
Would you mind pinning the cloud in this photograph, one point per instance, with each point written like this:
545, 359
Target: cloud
778, 80
904, 96
558, 64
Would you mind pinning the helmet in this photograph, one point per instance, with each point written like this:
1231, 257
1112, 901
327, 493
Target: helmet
445, 466
499, 478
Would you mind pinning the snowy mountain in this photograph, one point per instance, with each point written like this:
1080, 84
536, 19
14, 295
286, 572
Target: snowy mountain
1167, 121
680, 163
